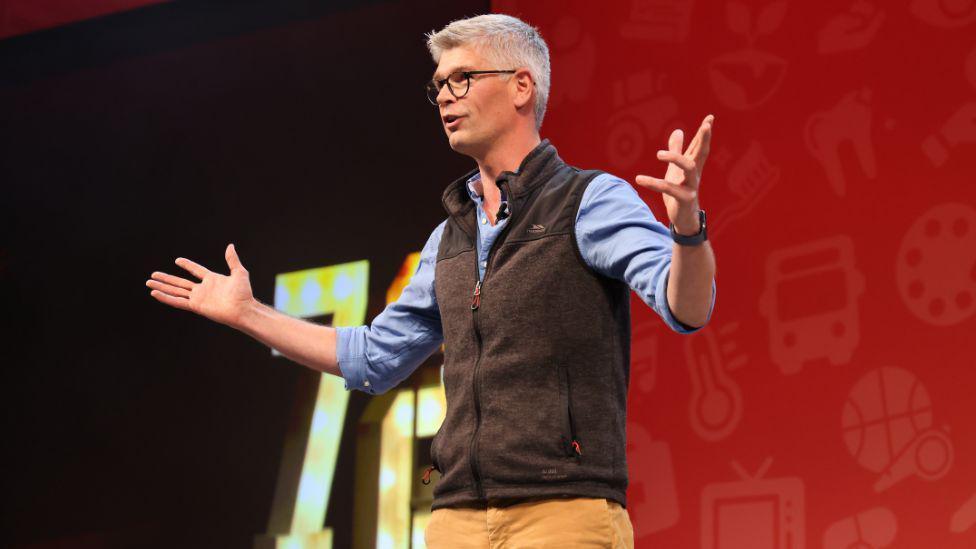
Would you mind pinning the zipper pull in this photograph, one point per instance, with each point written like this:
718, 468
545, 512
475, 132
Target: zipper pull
476, 298
426, 478
576, 446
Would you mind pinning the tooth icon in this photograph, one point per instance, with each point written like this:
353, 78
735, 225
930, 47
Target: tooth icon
849, 122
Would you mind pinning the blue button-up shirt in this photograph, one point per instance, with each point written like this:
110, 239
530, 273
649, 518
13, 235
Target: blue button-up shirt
618, 237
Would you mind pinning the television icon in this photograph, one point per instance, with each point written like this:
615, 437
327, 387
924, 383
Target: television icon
754, 512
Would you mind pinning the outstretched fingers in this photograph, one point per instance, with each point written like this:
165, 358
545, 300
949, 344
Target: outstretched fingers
192, 267
172, 280
168, 289
677, 158
702, 141
675, 140
678, 192
172, 301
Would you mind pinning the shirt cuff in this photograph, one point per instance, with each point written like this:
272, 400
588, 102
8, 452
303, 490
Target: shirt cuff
664, 308
351, 356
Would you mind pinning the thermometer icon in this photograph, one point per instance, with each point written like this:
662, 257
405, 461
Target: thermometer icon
715, 408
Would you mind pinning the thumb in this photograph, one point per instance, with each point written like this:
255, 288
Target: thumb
233, 261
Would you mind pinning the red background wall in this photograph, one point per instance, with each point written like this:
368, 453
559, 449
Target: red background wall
829, 401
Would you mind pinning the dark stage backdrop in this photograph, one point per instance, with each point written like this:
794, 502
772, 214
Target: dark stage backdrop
298, 131
24, 16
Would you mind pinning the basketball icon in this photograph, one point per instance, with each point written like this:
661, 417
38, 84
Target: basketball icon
887, 426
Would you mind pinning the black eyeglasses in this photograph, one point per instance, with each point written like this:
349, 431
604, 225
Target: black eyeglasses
457, 82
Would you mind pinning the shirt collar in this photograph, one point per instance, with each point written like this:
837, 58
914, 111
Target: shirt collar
536, 168
476, 190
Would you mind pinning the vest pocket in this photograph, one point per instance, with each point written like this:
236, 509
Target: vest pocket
570, 440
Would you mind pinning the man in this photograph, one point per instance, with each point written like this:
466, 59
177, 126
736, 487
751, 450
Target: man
527, 284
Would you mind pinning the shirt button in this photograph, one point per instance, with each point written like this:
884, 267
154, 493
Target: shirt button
366, 383
484, 264
484, 220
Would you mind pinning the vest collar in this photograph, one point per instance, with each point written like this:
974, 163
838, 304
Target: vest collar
536, 168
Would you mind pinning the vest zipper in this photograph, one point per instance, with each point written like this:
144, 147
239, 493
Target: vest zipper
476, 298
426, 478
475, 467
573, 448
475, 306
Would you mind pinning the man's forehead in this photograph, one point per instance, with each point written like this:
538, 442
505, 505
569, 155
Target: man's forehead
461, 58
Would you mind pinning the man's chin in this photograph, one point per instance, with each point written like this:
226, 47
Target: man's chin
458, 142
466, 144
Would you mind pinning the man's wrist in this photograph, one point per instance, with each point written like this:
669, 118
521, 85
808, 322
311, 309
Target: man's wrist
688, 224
249, 313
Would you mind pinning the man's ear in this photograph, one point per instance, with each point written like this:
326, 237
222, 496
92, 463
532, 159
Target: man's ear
524, 86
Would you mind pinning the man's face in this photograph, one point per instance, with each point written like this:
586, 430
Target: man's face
484, 113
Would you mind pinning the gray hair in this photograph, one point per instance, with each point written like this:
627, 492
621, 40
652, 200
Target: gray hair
505, 40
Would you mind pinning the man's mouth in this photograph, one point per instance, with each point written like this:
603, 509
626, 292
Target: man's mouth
452, 121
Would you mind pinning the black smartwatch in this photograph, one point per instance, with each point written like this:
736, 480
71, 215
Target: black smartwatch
695, 239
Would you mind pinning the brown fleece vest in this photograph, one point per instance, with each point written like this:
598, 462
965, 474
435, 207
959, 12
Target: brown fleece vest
537, 356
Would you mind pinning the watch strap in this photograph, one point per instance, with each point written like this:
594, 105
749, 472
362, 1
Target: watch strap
694, 239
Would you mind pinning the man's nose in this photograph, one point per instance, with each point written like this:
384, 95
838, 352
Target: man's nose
445, 94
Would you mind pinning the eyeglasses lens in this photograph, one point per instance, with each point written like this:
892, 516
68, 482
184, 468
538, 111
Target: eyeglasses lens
457, 83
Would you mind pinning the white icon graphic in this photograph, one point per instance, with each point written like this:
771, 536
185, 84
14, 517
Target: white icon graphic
658, 20
652, 495
871, 529
644, 355
958, 129
887, 426
747, 78
750, 179
936, 265
851, 30
754, 512
945, 13
847, 123
575, 50
715, 408
811, 301
643, 116
965, 517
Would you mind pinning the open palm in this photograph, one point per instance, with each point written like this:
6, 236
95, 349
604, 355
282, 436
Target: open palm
222, 298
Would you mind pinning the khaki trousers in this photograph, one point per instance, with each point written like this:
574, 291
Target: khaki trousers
572, 522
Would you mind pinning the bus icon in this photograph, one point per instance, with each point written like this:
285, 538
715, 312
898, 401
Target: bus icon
810, 301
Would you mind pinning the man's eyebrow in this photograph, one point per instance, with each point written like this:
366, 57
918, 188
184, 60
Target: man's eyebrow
461, 68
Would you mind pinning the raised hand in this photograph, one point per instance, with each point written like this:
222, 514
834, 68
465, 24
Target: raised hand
683, 176
218, 297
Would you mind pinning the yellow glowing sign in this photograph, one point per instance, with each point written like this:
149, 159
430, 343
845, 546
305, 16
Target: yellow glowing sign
431, 410
396, 464
407, 270
308, 467
298, 512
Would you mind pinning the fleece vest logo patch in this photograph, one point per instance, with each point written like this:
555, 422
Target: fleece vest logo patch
537, 229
